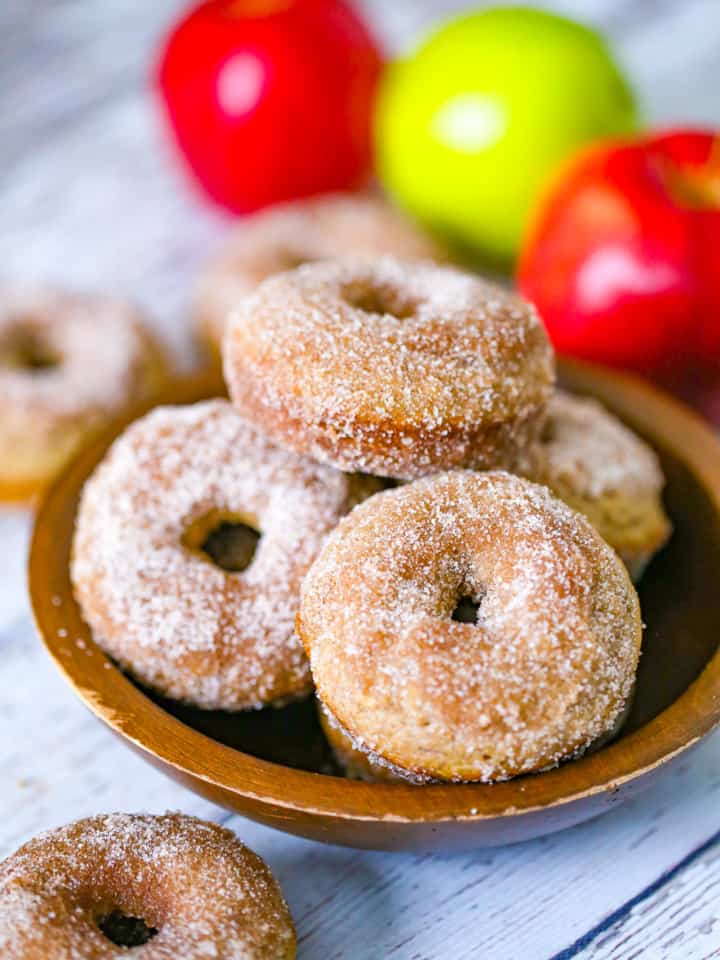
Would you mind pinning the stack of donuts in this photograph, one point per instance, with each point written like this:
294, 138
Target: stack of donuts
395, 509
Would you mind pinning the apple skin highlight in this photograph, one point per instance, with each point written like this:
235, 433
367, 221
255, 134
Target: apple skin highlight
623, 257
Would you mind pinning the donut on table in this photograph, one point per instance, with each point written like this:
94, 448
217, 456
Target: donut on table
68, 364
169, 886
469, 627
597, 465
391, 368
214, 631
285, 236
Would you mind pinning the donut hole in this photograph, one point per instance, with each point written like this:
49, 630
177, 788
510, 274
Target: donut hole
125, 931
232, 546
24, 349
386, 483
228, 540
384, 299
467, 609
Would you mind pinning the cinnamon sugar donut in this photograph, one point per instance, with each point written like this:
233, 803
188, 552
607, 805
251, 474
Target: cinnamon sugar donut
219, 638
168, 886
358, 763
68, 364
597, 465
283, 237
543, 670
394, 369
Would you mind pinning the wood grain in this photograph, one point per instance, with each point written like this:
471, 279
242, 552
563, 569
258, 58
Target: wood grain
528, 901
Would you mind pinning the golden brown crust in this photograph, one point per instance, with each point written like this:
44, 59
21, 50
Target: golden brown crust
283, 237
589, 459
545, 671
358, 763
203, 891
394, 369
354, 759
177, 621
100, 359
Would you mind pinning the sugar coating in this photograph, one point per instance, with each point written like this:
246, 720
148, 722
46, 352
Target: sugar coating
285, 236
106, 359
178, 622
594, 453
597, 465
545, 671
393, 368
207, 894
359, 762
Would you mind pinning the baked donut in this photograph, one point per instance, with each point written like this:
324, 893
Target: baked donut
597, 465
68, 363
541, 665
217, 636
285, 236
390, 368
357, 763
170, 886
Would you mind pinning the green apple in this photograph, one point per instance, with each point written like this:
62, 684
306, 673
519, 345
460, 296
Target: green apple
469, 126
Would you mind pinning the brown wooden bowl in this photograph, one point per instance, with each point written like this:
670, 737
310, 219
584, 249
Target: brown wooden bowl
274, 765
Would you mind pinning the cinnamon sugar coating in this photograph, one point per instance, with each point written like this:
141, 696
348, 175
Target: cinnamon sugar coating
593, 462
391, 368
546, 669
155, 602
285, 236
69, 362
202, 892
359, 763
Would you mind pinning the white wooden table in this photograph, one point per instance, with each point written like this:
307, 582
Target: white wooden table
88, 195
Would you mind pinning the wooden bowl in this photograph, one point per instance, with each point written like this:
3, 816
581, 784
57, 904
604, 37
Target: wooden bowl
274, 766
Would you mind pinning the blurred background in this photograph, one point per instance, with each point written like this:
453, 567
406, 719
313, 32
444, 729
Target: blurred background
90, 188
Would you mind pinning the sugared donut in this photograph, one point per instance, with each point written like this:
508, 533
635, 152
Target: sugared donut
543, 669
593, 462
182, 624
168, 886
285, 236
394, 369
358, 763
68, 363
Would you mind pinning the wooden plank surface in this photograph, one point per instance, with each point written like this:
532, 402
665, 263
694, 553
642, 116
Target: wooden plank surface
90, 195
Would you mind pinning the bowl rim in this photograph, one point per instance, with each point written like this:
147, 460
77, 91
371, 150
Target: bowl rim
166, 740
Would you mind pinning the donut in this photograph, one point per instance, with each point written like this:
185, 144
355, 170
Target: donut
209, 627
357, 763
597, 465
69, 362
169, 886
470, 627
390, 368
285, 236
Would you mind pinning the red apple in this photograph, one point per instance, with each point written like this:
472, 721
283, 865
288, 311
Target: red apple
623, 258
271, 99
